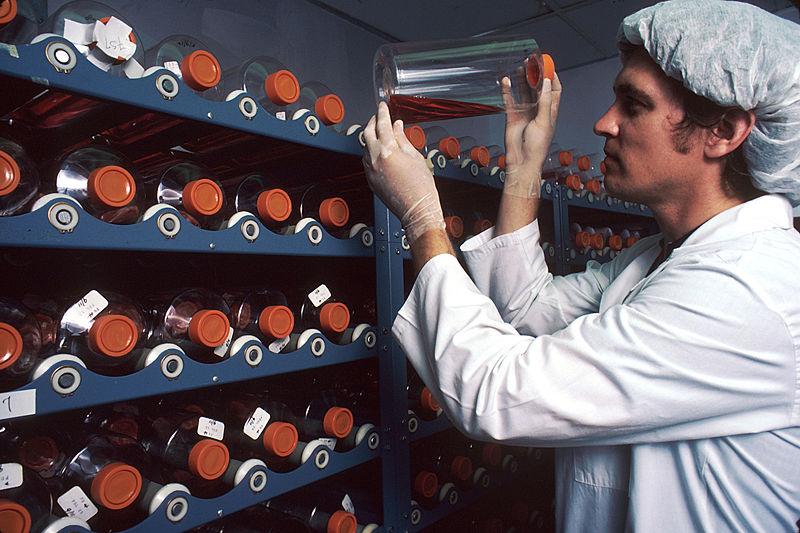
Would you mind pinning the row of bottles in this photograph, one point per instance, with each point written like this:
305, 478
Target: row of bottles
114, 334
603, 241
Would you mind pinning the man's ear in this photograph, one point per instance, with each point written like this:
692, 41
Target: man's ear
729, 133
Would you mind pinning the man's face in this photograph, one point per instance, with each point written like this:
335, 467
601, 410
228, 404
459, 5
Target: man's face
642, 163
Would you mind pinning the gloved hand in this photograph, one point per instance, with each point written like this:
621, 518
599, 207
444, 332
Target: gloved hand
529, 132
399, 175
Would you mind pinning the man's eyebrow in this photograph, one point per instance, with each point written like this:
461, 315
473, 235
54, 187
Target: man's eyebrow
629, 90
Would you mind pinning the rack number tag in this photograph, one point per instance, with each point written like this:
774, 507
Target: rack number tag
347, 504
222, 349
10, 476
208, 427
256, 423
329, 442
320, 295
17, 403
76, 503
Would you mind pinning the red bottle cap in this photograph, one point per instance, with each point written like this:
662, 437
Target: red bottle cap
14, 518
9, 172
329, 109
501, 161
427, 400
615, 242
274, 205
565, 158
10, 345
276, 321
416, 136
549, 66
334, 317
338, 422
480, 154
282, 87
584, 163
594, 187
492, 454
200, 70
597, 241
209, 459
116, 486
461, 467
125, 425
450, 147
583, 239
112, 186
603, 167
342, 522
280, 439
113, 335
630, 241
481, 225
38, 453
573, 181
426, 483
454, 226
334, 212
202, 197
209, 328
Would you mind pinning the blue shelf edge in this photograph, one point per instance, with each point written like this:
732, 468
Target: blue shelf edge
431, 427
606, 203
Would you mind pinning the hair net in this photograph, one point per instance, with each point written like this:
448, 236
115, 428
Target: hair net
734, 54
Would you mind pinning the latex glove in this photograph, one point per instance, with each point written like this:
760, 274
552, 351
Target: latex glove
529, 133
399, 175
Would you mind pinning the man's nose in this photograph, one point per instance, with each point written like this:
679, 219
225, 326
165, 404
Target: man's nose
607, 126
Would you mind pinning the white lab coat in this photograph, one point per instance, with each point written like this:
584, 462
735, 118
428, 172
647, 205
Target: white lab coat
674, 397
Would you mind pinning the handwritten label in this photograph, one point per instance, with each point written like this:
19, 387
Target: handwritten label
208, 427
79, 316
76, 503
222, 349
347, 504
78, 33
17, 403
113, 39
256, 423
319, 295
280, 115
278, 345
10, 476
173, 67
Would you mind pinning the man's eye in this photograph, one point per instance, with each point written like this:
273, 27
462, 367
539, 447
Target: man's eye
632, 106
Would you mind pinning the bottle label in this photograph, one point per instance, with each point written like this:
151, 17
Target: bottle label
222, 349
210, 428
328, 441
17, 403
10, 476
278, 345
347, 504
173, 67
76, 503
280, 115
320, 295
256, 423
79, 317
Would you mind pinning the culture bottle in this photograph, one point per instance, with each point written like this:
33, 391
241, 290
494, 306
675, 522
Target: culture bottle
19, 179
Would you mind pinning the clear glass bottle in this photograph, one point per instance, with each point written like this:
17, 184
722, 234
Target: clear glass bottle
439, 80
425, 488
416, 136
263, 313
258, 430
474, 151
321, 515
17, 24
263, 196
267, 80
420, 399
557, 160
192, 190
320, 309
322, 201
191, 60
20, 344
318, 99
104, 182
438, 138
19, 178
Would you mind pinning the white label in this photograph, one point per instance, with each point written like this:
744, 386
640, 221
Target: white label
99, 59
280, 115
113, 39
319, 295
347, 504
76, 503
17, 403
80, 315
173, 67
78, 33
222, 349
278, 345
10, 476
256, 423
208, 427
328, 441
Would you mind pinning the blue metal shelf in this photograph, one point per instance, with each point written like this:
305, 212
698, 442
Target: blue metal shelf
96, 389
582, 258
35, 230
606, 203
427, 428
202, 511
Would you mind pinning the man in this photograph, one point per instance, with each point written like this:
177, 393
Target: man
667, 378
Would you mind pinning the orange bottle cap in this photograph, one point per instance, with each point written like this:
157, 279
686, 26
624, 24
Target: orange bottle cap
450, 147
481, 225
14, 518
427, 400
38, 453
594, 187
200, 70
630, 241
597, 241
565, 158
342, 522
501, 161
10, 345
454, 226
274, 205
582, 239
338, 422
276, 321
9, 172
603, 167
116, 486
8, 11
492, 454
461, 467
329, 109
209, 328
202, 197
125, 425
282, 87
573, 181
549, 66
615, 242
112, 186
280, 439
426, 483
209, 459
584, 163
334, 317
416, 136
334, 212
113, 335
480, 154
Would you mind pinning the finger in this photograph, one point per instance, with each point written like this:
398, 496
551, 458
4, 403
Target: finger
505, 90
371, 138
402, 140
384, 128
545, 100
556, 99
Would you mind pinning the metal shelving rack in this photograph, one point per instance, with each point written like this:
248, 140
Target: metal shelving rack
55, 63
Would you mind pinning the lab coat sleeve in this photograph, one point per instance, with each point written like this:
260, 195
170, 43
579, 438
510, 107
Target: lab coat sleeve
511, 270
696, 354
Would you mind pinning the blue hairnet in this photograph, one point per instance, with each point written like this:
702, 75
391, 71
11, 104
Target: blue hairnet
734, 54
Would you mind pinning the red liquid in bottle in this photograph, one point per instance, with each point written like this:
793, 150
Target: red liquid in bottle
421, 109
